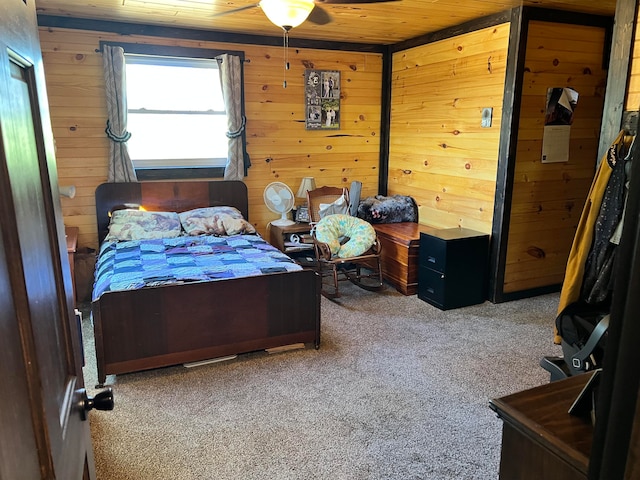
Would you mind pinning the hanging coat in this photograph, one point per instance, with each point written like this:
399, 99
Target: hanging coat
597, 284
583, 238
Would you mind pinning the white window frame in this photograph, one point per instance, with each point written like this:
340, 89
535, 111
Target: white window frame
142, 164
144, 174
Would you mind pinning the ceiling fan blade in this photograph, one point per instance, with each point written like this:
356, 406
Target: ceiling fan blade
236, 10
346, 2
319, 16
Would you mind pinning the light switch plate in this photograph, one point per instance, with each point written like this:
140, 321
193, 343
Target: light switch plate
487, 115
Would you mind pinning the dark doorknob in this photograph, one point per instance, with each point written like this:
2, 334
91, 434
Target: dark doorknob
102, 401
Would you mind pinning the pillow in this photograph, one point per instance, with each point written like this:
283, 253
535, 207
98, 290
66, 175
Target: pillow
393, 209
142, 225
361, 235
215, 221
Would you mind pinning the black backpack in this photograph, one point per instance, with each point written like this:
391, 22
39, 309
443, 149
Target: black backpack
583, 328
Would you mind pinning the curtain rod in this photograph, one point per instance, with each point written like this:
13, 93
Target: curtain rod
172, 50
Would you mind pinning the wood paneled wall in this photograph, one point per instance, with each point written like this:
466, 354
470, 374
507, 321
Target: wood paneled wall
438, 151
548, 198
633, 93
280, 147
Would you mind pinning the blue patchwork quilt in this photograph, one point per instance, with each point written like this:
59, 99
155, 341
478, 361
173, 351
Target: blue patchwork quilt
128, 265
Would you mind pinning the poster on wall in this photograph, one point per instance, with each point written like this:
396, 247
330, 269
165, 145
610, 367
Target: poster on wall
322, 92
561, 103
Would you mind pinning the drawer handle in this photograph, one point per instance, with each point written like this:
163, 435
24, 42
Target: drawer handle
431, 259
430, 290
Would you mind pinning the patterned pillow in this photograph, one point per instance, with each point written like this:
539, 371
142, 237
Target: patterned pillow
361, 235
142, 225
215, 221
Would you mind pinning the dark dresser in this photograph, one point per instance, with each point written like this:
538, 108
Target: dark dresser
540, 439
452, 267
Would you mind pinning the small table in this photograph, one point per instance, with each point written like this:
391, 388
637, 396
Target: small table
72, 245
280, 237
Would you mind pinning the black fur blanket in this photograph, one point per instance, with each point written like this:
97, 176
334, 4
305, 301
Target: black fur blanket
393, 209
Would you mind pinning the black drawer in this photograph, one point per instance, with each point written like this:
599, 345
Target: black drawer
433, 252
431, 286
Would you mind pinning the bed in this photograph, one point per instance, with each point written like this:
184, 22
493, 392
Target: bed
165, 324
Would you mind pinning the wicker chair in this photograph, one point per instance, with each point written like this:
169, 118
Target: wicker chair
363, 270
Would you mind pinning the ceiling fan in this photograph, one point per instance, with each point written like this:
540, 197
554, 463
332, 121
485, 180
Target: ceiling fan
288, 14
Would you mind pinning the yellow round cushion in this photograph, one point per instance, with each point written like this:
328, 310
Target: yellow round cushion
332, 228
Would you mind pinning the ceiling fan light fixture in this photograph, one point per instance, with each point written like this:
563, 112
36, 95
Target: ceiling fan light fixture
287, 14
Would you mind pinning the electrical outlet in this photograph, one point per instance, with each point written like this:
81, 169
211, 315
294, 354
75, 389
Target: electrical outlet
487, 114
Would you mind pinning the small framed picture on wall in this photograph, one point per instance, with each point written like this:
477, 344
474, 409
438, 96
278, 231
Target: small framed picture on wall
322, 92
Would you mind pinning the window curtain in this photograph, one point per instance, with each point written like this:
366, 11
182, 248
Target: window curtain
238, 162
120, 165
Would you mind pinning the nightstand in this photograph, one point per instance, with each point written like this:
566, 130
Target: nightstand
72, 245
284, 239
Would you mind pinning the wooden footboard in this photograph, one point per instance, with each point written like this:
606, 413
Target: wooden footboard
173, 324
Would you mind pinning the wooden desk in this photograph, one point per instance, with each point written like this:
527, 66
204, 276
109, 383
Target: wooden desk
540, 440
72, 246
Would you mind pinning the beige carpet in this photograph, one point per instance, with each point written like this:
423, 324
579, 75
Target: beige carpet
398, 390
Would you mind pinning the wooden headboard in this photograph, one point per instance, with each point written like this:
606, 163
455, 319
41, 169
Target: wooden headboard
168, 197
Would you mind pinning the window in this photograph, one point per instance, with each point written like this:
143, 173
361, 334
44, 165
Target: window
176, 115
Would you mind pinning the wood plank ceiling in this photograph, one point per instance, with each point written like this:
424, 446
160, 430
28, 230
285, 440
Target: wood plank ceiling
377, 23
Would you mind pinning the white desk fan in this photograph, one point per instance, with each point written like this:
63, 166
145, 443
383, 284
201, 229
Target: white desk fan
278, 198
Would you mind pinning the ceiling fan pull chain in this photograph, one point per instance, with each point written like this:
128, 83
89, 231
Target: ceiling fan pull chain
285, 42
